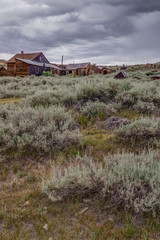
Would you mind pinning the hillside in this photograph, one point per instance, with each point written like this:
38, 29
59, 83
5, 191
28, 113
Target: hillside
79, 157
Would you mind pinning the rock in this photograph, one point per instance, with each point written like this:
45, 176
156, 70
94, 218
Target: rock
45, 227
82, 211
26, 203
115, 122
87, 200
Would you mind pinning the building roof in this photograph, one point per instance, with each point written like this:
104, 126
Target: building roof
5, 67
77, 66
103, 67
121, 74
39, 64
29, 56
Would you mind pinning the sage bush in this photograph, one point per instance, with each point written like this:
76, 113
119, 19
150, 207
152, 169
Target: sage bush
144, 129
39, 129
125, 180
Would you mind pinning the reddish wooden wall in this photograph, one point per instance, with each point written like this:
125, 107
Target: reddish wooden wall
3, 72
22, 69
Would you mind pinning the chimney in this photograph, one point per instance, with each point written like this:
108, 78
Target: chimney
22, 52
62, 61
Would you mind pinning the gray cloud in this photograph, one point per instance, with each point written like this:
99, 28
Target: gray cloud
103, 31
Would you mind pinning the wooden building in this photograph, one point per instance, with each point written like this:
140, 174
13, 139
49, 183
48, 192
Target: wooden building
104, 70
151, 65
121, 75
26, 64
95, 69
3, 71
79, 69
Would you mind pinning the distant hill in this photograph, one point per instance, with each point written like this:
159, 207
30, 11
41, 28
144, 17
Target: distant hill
2, 62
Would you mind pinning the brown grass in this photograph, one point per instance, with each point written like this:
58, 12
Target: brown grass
10, 100
25, 213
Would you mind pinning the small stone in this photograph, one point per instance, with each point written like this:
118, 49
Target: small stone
45, 227
110, 219
26, 203
82, 211
87, 200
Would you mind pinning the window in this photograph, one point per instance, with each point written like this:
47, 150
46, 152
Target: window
37, 69
70, 71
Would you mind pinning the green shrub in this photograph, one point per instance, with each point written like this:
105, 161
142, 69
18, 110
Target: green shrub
39, 129
144, 129
47, 73
146, 107
92, 109
42, 98
125, 180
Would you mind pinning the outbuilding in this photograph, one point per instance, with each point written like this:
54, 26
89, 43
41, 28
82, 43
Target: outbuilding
121, 75
3, 71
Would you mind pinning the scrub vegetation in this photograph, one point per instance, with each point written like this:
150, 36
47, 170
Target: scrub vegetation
79, 157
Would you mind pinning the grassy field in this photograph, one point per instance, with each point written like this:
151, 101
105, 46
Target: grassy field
55, 122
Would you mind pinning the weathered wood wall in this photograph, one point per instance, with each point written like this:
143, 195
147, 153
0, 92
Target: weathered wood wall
11, 67
3, 72
22, 69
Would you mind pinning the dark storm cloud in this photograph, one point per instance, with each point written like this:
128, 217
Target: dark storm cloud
103, 31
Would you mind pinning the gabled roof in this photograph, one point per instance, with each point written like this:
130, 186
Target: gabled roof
77, 66
5, 67
121, 74
39, 64
29, 56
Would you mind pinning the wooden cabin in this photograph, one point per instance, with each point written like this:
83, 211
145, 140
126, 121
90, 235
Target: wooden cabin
79, 69
151, 65
26, 64
106, 70
95, 69
3, 71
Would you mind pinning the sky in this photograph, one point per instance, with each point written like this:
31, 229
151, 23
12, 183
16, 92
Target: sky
98, 31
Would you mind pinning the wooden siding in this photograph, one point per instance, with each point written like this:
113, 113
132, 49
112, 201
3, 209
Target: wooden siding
80, 71
22, 69
11, 67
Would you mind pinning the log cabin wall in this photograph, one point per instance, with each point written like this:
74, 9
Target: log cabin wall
22, 69
11, 67
3, 72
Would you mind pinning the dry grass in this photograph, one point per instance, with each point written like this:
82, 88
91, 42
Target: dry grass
10, 100
25, 213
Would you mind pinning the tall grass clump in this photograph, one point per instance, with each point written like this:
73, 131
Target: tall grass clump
41, 129
126, 181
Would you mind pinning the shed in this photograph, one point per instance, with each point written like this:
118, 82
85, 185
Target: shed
121, 75
3, 71
79, 69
